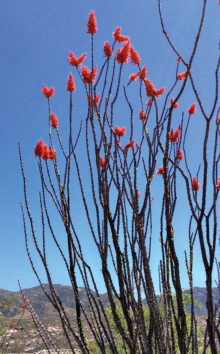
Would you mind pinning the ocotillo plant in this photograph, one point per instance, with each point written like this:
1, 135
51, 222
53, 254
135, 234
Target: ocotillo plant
122, 169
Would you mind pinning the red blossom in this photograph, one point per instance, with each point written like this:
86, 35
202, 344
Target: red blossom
179, 60
174, 136
218, 183
107, 49
119, 37
133, 77
138, 194
52, 154
217, 119
92, 25
73, 60
171, 103
142, 73
135, 58
87, 75
23, 304
93, 100
143, 115
39, 148
137, 146
182, 76
48, 93
54, 120
70, 84
149, 103
195, 184
128, 146
179, 155
119, 131
46, 153
101, 162
192, 109
151, 90
123, 53
160, 171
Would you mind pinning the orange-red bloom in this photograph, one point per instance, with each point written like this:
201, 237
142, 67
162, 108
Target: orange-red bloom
149, 103
120, 131
179, 154
151, 90
46, 153
133, 77
54, 120
179, 59
174, 136
143, 115
87, 75
70, 84
142, 73
218, 184
107, 49
195, 184
52, 154
182, 76
123, 53
135, 58
171, 103
73, 60
138, 194
39, 148
128, 145
160, 171
92, 25
101, 162
192, 109
93, 100
23, 304
48, 93
118, 36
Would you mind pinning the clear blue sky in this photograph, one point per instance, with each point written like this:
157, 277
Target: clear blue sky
35, 38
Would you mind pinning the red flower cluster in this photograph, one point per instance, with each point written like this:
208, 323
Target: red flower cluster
120, 131
174, 136
133, 77
48, 93
42, 150
218, 184
142, 73
23, 304
182, 76
192, 109
143, 115
151, 90
54, 120
179, 60
160, 171
195, 184
128, 146
123, 53
118, 36
92, 25
93, 100
87, 75
74, 60
107, 49
70, 84
135, 58
101, 162
171, 103
179, 155
149, 103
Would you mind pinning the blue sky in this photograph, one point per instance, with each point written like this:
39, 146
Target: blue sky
35, 38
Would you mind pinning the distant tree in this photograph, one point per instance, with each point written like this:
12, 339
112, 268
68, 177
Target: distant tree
121, 174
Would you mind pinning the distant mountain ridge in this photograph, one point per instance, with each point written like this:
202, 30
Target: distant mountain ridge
42, 305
